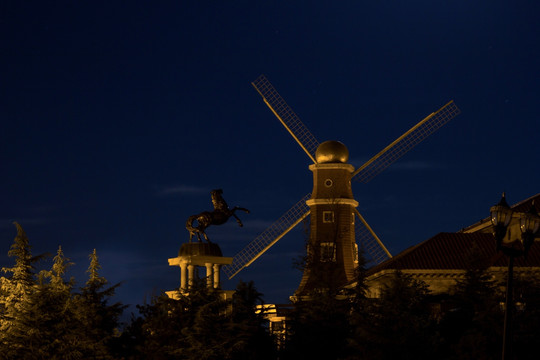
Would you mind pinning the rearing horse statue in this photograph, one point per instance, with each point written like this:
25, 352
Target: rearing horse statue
218, 216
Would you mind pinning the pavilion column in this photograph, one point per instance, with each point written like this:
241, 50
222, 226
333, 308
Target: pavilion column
183, 276
217, 284
191, 258
191, 274
209, 275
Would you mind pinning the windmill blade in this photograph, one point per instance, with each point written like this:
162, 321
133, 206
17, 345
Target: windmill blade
406, 142
286, 116
268, 238
369, 241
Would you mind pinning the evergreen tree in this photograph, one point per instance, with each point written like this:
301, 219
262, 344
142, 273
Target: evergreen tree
228, 330
207, 337
360, 314
15, 289
472, 328
99, 320
318, 327
248, 326
527, 316
400, 323
160, 330
46, 325
200, 325
42, 320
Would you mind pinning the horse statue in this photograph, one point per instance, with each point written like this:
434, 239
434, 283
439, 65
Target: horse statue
218, 216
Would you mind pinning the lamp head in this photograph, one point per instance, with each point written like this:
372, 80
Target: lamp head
501, 214
529, 225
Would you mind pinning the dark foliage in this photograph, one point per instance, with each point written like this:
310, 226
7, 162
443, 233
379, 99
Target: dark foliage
43, 316
201, 325
471, 325
397, 325
318, 328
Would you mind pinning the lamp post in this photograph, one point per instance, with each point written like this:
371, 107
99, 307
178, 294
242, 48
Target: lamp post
529, 223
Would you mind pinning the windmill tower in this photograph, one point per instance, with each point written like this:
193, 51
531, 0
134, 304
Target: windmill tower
332, 251
334, 233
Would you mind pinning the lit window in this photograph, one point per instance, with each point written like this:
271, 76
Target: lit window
328, 216
328, 251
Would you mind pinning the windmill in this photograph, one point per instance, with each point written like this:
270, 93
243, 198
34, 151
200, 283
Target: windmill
334, 231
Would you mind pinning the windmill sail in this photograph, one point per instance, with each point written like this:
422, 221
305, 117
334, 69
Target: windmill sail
374, 250
286, 116
269, 237
406, 142
364, 235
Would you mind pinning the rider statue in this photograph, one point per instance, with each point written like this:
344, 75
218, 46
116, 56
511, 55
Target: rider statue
218, 216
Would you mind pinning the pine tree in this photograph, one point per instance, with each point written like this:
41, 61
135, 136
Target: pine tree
229, 331
320, 324
400, 322
200, 325
47, 328
473, 327
247, 328
318, 327
207, 338
360, 317
99, 320
527, 316
15, 289
43, 320
160, 332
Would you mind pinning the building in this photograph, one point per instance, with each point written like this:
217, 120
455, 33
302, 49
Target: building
444, 258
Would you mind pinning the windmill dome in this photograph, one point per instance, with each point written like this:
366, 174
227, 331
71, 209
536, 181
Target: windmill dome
332, 152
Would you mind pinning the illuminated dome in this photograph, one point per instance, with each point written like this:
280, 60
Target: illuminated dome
332, 152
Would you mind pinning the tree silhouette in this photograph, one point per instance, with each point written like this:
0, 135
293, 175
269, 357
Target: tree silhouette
41, 318
400, 324
99, 320
15, 291
318, 327
46, 324
471, 327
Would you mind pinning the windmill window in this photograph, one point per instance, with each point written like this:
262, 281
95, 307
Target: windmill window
328, 251
328, 182
328, 216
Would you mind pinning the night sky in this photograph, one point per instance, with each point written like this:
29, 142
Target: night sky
119, 117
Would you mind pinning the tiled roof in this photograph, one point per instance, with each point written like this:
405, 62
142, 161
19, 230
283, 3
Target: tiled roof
521, 206
525, 205
453, 251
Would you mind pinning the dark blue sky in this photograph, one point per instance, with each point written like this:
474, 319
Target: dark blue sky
118, 118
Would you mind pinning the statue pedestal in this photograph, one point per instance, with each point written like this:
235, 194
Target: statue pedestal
192, 255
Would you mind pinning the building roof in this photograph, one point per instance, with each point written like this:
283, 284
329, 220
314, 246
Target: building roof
447, 251
521, 206
526, 204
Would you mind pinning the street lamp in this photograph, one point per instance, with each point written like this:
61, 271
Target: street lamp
529, 224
